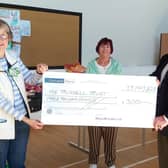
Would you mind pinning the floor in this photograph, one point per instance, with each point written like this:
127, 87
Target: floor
58, 147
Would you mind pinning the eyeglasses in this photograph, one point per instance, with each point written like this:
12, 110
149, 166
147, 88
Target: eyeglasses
3, 36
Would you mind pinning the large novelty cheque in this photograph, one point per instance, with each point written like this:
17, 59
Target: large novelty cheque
98, 100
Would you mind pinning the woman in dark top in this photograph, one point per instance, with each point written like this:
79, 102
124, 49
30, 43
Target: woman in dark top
161, 120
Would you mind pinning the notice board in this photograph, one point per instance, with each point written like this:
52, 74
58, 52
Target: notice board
55, 36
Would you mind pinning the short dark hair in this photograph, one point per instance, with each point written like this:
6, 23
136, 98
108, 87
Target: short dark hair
104, 41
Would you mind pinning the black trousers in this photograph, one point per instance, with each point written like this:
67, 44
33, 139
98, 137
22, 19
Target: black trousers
163, 150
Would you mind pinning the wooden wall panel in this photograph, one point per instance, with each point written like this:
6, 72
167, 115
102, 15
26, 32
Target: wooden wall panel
163, 44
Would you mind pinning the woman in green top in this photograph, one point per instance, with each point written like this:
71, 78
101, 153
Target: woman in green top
103, 64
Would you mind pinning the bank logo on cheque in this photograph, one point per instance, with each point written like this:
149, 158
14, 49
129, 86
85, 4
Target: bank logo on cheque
54, 80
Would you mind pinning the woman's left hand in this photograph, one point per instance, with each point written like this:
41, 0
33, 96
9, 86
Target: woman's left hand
41, 68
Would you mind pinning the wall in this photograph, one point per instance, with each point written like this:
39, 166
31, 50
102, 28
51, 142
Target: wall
134, 26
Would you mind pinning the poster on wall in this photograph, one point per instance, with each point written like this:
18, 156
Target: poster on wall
19, 27
25, 27
17, 49
12, 17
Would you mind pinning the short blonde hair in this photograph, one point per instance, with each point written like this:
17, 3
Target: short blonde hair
7, 28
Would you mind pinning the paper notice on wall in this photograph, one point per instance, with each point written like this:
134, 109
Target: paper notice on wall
17, 49
12, 17
25, 26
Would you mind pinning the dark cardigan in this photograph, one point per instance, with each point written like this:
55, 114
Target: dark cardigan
162, 94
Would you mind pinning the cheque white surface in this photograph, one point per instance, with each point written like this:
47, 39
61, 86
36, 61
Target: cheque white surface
98, 100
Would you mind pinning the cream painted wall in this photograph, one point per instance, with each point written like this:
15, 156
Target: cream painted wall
134, 26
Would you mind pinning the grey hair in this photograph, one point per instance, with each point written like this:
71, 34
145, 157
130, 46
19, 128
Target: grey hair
7, 28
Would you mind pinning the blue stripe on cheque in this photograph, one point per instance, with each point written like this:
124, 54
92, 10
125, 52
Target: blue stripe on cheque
54, 80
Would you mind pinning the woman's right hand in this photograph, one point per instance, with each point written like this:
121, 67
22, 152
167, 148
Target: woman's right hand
160, 122
35, 124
